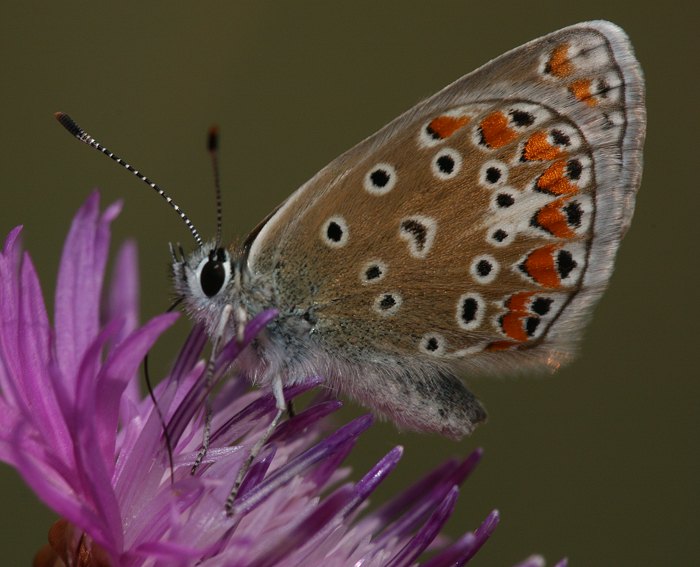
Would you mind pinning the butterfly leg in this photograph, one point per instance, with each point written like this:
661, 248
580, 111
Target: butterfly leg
208, 384
281, 408
207, 430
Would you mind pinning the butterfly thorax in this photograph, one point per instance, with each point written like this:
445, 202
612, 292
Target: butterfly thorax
219, 291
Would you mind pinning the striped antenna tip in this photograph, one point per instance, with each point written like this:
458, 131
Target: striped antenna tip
213, 139
69, 124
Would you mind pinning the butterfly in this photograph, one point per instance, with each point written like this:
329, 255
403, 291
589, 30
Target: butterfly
472, 234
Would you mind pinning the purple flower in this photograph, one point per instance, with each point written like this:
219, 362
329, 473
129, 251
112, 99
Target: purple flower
74, 424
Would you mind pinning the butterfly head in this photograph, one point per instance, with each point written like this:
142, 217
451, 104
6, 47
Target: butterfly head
205, 279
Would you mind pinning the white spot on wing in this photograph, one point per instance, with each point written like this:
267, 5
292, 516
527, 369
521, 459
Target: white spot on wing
335, 232
380, 179
419, 232
484, 268
373, 271
446, 164
474, 321
387, 304
501, 235
493, 174
432, 344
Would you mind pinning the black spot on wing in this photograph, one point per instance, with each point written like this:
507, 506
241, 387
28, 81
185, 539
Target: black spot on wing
418, 230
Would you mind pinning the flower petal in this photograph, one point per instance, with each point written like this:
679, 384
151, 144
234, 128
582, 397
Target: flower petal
116, 373
10, 293
122, 300
79, 283
454, 555
414, 505
427, 533
34, 347
337, 441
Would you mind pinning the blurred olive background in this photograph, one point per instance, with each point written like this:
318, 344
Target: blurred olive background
599, 463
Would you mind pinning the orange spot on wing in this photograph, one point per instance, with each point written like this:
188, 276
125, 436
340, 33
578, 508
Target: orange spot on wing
555, 182
581, 89
553, 220
444, 126
495, 131
558, 63
539, 265
512, 325
538, 148
519, 302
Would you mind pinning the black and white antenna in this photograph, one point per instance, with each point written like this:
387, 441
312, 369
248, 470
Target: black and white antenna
69, 124
213, 147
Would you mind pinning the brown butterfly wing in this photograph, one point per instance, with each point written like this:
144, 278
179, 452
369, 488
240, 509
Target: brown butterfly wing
475, 231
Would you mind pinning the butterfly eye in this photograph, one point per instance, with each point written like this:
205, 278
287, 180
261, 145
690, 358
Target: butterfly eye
214, 272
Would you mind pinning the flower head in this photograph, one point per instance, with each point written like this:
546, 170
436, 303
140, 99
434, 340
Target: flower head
117, 468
